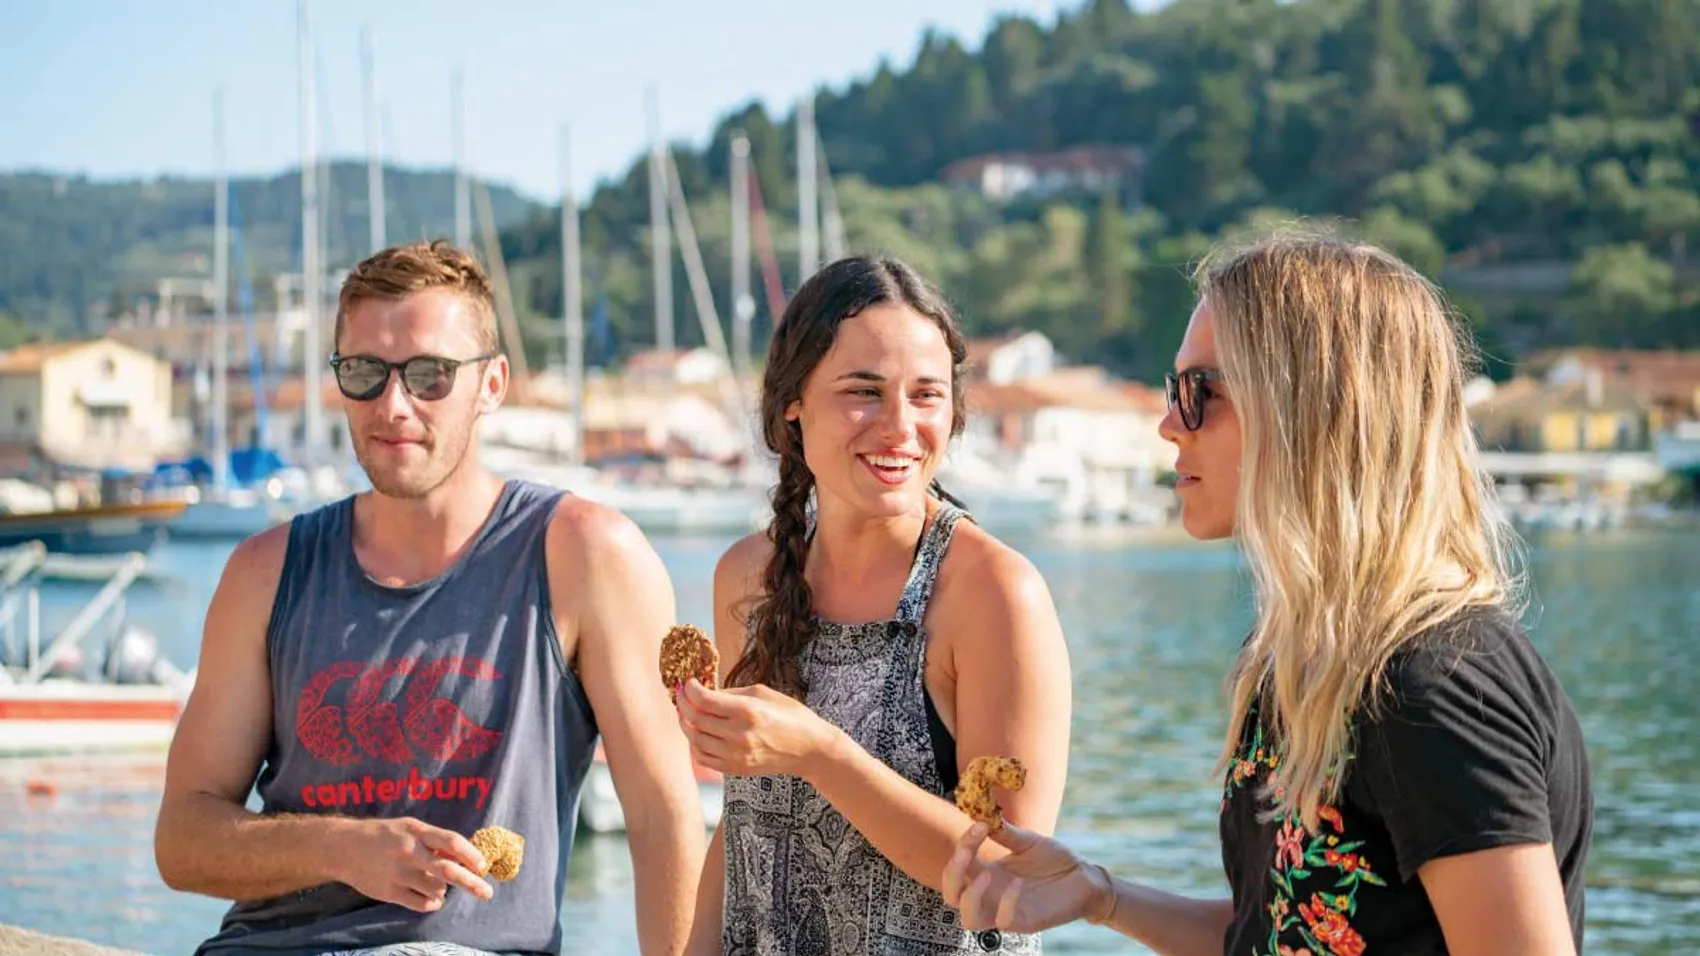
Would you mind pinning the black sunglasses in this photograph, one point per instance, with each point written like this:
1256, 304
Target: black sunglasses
1188, 389
428, 378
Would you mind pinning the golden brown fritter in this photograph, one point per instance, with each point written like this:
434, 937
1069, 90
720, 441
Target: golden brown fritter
687, 652
974, 793
503, 850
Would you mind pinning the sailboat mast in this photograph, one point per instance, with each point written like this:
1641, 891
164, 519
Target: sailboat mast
743, 305
374, 152
572, 299
832, 222
660, 236
463, 192
221, 304
808, 207
712, 334
312, 273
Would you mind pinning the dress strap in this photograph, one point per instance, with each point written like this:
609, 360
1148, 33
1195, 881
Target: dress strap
935, 541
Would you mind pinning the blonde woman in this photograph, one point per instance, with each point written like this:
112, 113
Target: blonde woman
1402, 772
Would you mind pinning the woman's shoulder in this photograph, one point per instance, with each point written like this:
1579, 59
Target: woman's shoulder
1477, 662
1479, 640
981, 572
738, 573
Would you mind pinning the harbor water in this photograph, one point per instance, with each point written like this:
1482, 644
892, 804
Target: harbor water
1152, 623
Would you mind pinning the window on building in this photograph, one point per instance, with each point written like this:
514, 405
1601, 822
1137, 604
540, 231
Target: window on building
1627, 435
108, 423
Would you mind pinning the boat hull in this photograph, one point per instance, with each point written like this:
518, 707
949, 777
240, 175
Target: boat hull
222, 520
118, 529
66, 717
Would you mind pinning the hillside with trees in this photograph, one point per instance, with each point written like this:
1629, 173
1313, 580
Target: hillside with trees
1539, 157
74, 251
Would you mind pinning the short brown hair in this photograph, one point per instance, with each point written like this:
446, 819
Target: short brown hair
400, 271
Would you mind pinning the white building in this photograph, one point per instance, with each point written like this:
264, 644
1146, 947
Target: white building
1010, 358
1091, 438
95, 403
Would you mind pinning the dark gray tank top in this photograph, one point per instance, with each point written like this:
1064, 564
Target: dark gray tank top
448, 701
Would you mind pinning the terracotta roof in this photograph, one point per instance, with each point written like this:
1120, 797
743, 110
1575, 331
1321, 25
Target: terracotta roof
1521, 397
31, 357
1086, 388
287, 395
1667, 376
980, 350
1150, 400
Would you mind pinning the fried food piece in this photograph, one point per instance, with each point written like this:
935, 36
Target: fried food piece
503, 850
974, 792
687, 652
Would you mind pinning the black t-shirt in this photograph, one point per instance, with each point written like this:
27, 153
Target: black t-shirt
1475, 746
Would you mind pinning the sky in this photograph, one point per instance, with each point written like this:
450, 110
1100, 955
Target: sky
126, 88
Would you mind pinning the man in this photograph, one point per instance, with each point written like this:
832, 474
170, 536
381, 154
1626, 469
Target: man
409, 665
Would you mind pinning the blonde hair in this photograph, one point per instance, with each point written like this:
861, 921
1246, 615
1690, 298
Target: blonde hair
400, 271
1361, 513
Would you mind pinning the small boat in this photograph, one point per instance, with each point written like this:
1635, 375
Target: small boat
599, 808
52, 701
100, 529
235, 514
75, 716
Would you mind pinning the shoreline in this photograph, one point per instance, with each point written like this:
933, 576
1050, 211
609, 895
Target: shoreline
18, 941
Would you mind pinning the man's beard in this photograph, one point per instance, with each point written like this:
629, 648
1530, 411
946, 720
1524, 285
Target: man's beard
444, 453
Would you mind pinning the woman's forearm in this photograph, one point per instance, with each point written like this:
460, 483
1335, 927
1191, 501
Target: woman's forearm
1169, 924
912, 828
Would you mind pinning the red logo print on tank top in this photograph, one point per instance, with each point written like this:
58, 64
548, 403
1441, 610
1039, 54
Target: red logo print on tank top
413, 725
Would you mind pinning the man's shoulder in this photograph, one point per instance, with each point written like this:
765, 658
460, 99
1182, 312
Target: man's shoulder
579, 520
584, 536
258, 559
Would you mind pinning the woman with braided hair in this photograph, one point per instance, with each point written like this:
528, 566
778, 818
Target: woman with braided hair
875, 643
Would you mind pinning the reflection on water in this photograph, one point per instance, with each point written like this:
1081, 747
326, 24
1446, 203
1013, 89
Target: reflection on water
1151, 628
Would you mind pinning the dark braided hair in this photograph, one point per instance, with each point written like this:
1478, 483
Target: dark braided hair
781, 621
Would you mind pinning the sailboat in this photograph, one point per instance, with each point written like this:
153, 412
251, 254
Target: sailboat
220, 509
657, 507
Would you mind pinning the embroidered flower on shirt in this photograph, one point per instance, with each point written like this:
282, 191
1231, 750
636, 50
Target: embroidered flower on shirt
1322, 924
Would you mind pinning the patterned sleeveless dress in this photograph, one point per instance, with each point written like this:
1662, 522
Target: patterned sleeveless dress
800, 880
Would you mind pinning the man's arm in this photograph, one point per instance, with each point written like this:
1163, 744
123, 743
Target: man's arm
617, 601
206, 841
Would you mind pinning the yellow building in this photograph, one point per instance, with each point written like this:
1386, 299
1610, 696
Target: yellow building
1590, 414
95, 403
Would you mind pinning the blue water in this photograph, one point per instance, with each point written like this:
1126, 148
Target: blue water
1152, 625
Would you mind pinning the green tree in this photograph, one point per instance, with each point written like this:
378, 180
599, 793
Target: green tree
1110, 272
1621, 295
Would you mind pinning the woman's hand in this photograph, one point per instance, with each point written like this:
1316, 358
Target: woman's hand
1041, 884
754, 730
